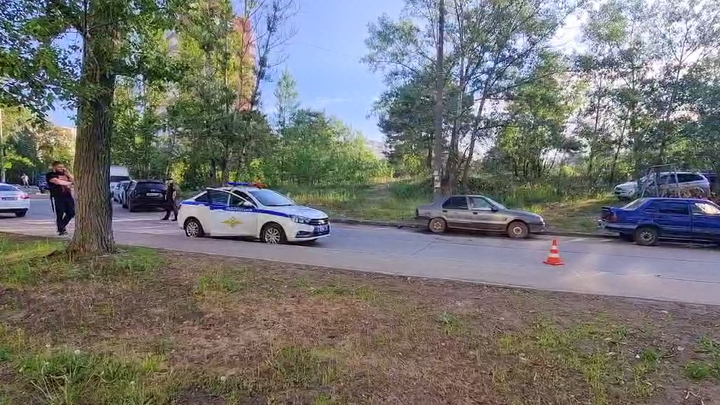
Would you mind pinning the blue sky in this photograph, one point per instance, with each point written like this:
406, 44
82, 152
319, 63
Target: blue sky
324, 57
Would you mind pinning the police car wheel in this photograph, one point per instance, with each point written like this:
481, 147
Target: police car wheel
273, 234
193, 228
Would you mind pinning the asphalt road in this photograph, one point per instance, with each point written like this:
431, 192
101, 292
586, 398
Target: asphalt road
609, 267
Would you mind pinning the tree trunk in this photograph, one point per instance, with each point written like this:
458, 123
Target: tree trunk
439, 105
93, 224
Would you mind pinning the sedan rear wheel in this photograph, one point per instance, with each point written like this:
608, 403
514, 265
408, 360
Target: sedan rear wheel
437, 225
647, 236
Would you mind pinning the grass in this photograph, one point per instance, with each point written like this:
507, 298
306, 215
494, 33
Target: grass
155, 327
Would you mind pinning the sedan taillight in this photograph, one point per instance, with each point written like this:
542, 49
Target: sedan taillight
24, 197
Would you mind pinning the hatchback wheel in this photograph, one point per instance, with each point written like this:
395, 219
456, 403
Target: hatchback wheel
273, 234
193, 228
437, 225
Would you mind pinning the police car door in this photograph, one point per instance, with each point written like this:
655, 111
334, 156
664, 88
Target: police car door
230, 215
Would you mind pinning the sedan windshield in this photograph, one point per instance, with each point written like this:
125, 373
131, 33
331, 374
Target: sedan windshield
495, 203
270, 198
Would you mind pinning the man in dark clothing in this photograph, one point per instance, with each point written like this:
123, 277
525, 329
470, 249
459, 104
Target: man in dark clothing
59, 182
170, 200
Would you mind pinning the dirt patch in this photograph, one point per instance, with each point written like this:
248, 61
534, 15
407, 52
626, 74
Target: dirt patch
207, 330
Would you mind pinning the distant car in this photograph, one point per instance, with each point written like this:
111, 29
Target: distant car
666, 182
248, 210
648, 220
123, 193
119, 190
479, 213
13, 200
145, 194
42, 184
118, 174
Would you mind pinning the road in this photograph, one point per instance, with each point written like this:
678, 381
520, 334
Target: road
608, 267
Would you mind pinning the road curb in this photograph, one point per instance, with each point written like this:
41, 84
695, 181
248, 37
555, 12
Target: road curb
417, 225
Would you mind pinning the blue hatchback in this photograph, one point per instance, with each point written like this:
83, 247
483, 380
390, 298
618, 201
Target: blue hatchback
647, 220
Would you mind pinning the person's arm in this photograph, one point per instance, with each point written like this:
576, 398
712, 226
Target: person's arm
55, 180
69, 176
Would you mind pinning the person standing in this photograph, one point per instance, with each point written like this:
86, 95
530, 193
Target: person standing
171, 196
60, 182
25, 180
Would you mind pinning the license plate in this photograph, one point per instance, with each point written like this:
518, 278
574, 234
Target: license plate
153, 194
9, 198
322, 229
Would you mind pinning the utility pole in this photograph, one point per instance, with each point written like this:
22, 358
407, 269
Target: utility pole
438, 113
2, 150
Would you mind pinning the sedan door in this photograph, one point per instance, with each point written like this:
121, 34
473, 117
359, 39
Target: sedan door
673, 217
230, 216
483, 216
457, 213
706, 221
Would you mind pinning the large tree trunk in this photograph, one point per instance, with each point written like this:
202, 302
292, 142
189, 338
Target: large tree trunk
93, 226
439, 104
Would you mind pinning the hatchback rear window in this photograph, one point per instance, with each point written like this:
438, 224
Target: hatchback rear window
635, 204
150, 186
5, 187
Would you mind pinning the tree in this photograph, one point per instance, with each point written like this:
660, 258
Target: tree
115, 43
494, 47
287, 100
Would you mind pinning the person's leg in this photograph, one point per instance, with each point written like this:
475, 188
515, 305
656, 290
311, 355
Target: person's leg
175, 211
69, 204
167, 212
59, 214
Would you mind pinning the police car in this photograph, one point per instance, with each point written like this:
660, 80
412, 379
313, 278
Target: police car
250, 210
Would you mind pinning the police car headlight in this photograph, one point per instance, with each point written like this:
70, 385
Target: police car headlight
300, 220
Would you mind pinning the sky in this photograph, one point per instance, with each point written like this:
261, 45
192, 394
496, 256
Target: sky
324, 58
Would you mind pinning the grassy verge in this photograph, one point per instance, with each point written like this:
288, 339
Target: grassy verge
145, 326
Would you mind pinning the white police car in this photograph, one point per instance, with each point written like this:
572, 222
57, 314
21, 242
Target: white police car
249, 210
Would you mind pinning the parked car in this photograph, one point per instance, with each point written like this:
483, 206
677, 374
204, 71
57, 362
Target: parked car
118, 174
249, 210
666, 182
123, 193
480, 213
119, 190
648, 220
145, 194
13, 200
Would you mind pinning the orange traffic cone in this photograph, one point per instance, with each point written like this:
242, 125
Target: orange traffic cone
553, 258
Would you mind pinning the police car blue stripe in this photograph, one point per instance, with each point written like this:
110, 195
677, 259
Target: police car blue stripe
236, 209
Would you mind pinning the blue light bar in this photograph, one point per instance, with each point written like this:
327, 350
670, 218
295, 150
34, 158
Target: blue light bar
239, 183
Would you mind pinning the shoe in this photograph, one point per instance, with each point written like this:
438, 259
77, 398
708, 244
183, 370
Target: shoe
174, 220
62, 233
164, 219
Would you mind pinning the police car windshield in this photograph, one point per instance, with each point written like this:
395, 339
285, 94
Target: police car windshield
270, 198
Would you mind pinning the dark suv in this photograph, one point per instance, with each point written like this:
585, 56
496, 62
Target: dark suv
145, 194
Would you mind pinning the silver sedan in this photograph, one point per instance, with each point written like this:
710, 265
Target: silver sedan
479, 213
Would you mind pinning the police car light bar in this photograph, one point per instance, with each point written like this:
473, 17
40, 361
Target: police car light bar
245, 184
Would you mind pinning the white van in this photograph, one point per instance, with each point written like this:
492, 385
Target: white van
118, 174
